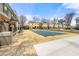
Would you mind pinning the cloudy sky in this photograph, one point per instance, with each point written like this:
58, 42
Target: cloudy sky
45, 10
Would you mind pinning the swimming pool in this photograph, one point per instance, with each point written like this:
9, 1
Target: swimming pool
47, 33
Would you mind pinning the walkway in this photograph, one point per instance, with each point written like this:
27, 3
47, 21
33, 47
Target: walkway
64, 47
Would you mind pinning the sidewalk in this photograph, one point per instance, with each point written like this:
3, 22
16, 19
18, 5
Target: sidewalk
64, 47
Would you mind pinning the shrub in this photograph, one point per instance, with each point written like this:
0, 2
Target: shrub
26, 27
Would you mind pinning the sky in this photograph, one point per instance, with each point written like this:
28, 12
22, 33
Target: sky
45, 10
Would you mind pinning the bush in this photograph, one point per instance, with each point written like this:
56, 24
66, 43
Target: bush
76, 28
68, 28
26, 27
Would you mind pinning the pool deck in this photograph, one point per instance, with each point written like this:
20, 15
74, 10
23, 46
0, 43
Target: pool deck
64, 47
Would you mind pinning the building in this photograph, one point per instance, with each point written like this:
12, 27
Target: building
8, 18
77, 23
41, 25
33, 25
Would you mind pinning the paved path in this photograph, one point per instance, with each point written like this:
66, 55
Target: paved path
64, 47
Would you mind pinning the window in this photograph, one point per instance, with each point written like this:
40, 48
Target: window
1, 7
77, 21
5, 10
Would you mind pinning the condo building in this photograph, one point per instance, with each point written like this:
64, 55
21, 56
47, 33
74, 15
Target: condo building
8, 18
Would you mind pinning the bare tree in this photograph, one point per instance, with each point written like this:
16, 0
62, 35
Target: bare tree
68, 18
61, 22
40, 25
36, 19
22, 20
43, 20
48, 23
54, 22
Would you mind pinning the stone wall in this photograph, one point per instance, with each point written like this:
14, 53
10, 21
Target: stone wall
5, 27
5, 38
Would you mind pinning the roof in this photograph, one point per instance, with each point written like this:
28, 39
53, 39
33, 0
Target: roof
11, 10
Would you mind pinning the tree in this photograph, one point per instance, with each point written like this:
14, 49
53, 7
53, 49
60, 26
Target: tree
40, 25
48, 22
61, 22
54, 22
36, 19
68, 18
43, 20
22, 21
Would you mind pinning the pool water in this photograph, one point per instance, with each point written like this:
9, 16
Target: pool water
47, 33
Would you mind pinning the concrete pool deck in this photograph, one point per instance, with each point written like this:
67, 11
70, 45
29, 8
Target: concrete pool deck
64, 47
